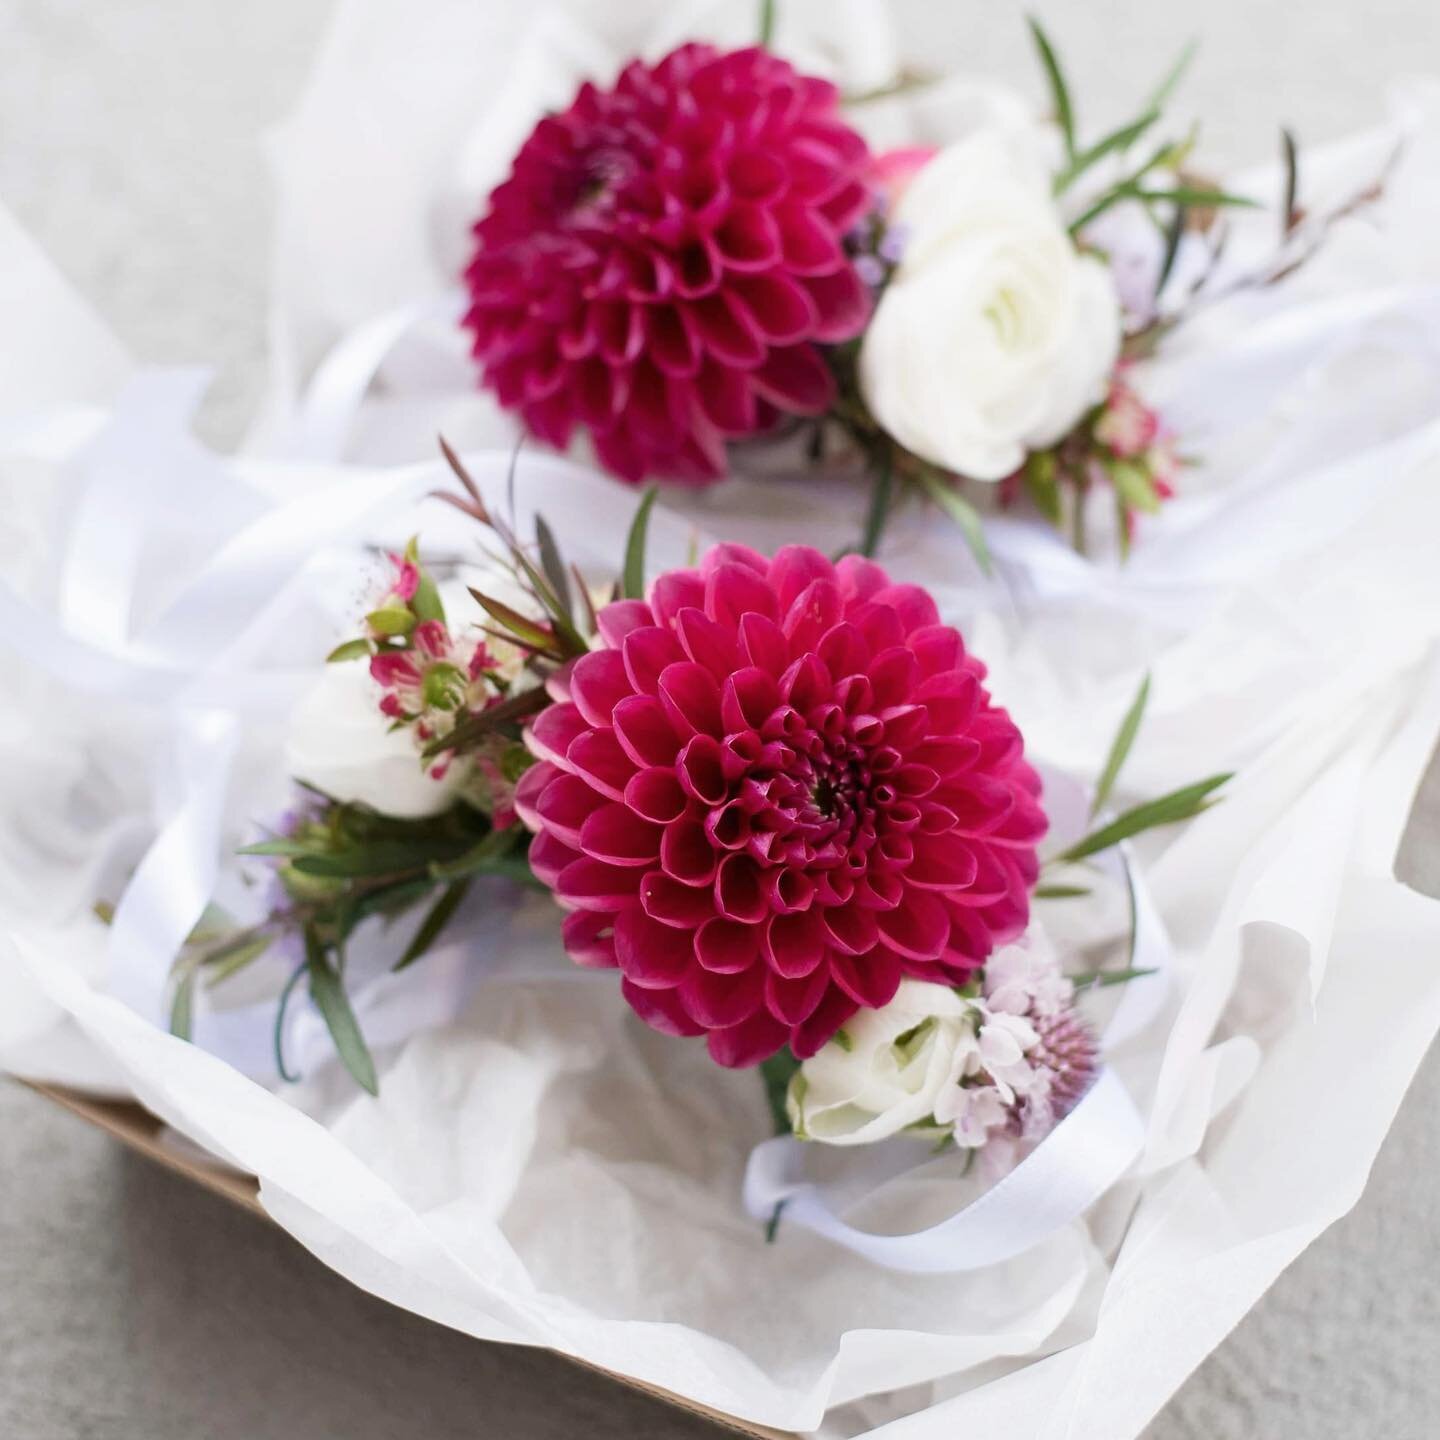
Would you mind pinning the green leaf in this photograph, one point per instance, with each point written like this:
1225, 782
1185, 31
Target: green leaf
1043, 487
485, 723
278, 1034
777, 1072
1120, 747
286, 849
430, 928
1174, 233
1198, 196
1061, 892
426, 602
1101, 979
1173, 77
529, 633
962, 512
221, 964
880, 495
1059, 91
328, 992
386, 858
1117, 140
765, 40
554, 566
632, 582
350, 650
1182, 804
1134, 486
487, 855
392, 620
182, 1004
1290, 215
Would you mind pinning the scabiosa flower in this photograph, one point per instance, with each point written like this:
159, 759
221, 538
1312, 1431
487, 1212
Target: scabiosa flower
779, 787
665, 257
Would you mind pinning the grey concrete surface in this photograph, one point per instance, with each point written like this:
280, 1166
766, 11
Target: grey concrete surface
133, 1307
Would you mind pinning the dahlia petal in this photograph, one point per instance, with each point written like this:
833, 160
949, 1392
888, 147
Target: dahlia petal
727, 399
952, 698
619, 453
942, 862
793, 1002
794, 568
619, 330
671, 593
757, 175
807, 243
729, 826
993, 877
916, 781
617, 835
841, 304
700, 769
879, 624
727, 331
846, 206
748, 1043
872, 979
806, 683
655, 795
830, 1014
553, 731
528, 790
733, 590
588, 884
912, 603
598, 683
1024, 825
672, 903
707, 642
796, 380
649, 954
564, 805
548, 856
647, 651
725, 946
894, 675
589, 939
748, 238
843, 651
947, 755
617, 619
697, 270
671, 341
686, 854
781, 309
851, 929
860, 579
691, 697
644, 731
815, 609
795, 944
739, 894
660, 1009
980, 802
938, 648
720, 1000
789, 890
596, 756
905, 725
597, 391
918, 928
764, 643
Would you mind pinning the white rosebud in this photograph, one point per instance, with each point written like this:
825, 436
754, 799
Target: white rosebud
341, 743
994, 335
884, 1071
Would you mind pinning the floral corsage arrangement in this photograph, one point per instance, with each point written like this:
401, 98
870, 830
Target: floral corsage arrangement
772, 793
708, 251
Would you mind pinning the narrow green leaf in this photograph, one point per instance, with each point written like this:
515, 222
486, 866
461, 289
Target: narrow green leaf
554, 566
221, 965
632, 583
286, 849
1290, 215
328, 992
430, 928
278, 1034
1102, 979
182, 1004
962, 512
1061, 892
1117, 140
384, 858
1198, 196
881, 491
528, 632
1174, 233
1166, 88
1180, 804
350, 650
777, 1072
510, 711
767, 28
486, 855
1059, 91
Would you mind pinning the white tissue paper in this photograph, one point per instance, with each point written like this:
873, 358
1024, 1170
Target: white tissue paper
538, 1166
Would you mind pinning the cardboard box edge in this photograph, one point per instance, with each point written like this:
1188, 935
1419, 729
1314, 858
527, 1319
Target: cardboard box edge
136, 1128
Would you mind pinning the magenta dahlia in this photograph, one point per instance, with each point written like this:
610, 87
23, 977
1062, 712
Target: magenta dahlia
666, 255
776, 789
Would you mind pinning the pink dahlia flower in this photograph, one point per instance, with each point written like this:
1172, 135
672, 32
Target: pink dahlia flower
665, 257
779, 787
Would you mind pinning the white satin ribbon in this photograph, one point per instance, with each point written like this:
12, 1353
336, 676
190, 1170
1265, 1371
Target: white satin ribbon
1074, 1166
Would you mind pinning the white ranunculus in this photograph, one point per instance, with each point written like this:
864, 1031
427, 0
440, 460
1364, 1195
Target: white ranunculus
995, 334
885, 1069
341, 743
